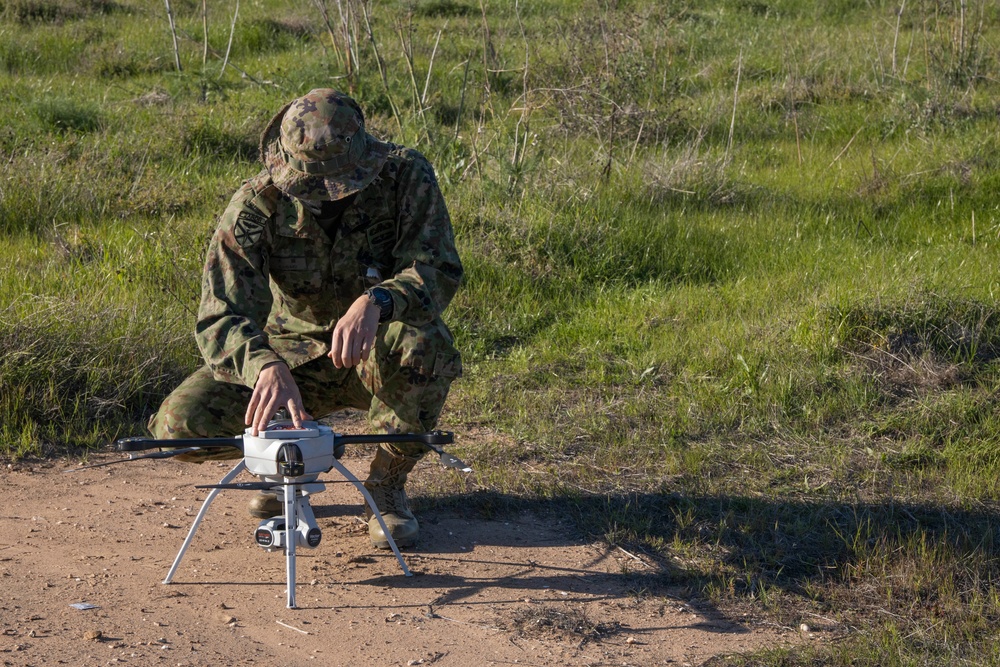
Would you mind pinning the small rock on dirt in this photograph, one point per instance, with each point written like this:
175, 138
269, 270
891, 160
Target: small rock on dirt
93, 635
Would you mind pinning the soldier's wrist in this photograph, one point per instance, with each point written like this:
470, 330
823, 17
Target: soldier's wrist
381, 298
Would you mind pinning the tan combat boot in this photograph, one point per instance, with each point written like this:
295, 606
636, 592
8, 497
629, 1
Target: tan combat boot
385, 482
265, 505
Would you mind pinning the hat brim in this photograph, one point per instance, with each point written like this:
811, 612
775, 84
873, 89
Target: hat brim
319, 187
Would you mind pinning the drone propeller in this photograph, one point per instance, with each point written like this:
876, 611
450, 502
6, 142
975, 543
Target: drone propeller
154, 455
244, 486
264, 486
432, 441
449, 460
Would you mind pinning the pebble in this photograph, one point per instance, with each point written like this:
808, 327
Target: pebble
804, 628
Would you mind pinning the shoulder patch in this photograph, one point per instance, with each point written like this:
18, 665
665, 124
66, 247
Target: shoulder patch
249, 228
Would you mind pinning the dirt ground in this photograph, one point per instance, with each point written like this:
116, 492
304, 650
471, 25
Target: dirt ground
522, 591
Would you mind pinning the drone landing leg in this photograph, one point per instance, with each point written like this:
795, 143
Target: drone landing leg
348, 475
291, 537
230, 476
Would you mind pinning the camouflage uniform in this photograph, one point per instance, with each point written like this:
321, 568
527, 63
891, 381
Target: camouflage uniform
272, 261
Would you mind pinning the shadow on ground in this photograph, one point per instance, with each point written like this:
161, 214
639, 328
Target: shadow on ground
670, 542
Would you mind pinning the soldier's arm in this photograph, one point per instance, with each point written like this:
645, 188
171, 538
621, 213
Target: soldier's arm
427, 268
236, 296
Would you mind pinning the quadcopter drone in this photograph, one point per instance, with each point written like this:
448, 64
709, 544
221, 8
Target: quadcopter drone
288, 460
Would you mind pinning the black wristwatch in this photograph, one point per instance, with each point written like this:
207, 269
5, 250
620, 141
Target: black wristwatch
380, 296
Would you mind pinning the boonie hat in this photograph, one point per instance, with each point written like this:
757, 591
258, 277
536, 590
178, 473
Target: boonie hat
316, 147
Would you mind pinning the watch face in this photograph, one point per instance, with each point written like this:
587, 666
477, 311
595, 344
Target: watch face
383, 301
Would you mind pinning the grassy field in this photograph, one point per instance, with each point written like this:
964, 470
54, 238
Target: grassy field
730, 295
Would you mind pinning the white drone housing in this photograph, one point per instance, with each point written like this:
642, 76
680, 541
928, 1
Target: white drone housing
265, 452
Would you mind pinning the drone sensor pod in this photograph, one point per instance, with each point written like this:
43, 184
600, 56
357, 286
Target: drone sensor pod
270, 534
290, 462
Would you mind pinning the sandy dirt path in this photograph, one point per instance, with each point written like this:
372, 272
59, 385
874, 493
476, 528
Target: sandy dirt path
521, 591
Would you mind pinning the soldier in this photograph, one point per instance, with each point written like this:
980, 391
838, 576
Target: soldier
323, 289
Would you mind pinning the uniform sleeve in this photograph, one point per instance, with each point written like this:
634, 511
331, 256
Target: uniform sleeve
427, 268
236, 296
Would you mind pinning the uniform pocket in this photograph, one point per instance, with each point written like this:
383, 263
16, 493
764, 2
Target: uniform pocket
298, 266
428, 349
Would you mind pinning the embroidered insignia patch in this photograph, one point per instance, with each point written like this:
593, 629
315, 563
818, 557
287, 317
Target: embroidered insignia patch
249, 228
381, 236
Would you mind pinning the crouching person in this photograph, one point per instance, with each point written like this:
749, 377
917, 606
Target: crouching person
323, 289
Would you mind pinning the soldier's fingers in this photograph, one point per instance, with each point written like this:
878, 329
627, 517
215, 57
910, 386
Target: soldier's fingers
251, 408
296, 411
265, 412
335, 348
356, 345
369, 345
343, 359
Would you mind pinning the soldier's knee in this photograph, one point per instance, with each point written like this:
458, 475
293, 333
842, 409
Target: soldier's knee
428, 350
177, 417
200, 407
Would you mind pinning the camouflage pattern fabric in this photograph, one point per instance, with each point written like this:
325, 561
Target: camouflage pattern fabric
271, 262
316, 147
399, 398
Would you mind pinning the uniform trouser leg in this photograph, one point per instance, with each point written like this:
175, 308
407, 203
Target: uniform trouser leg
403, 385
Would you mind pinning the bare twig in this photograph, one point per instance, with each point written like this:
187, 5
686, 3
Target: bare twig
381, 68
638, 136
290, 627
351, 51
895, 37
633, 556
736, 98
844, 149
243, 73
521, 147
430, 67
321, 5
407, 46
204, 31
229, 46
489, 58
173, 34
961, 33
461, 103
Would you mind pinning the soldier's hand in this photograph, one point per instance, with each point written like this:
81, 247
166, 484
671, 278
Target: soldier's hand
354, 335
275, 389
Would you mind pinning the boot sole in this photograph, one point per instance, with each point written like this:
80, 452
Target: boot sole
402, 544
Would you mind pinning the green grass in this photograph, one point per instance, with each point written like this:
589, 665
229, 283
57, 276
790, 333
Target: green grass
730, 296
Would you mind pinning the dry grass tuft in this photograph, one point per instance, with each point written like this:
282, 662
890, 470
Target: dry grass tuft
568, 624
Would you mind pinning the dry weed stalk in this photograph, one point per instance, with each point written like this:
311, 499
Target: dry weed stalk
381, 69
173, 35
229, 45
321, 5
204, 30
